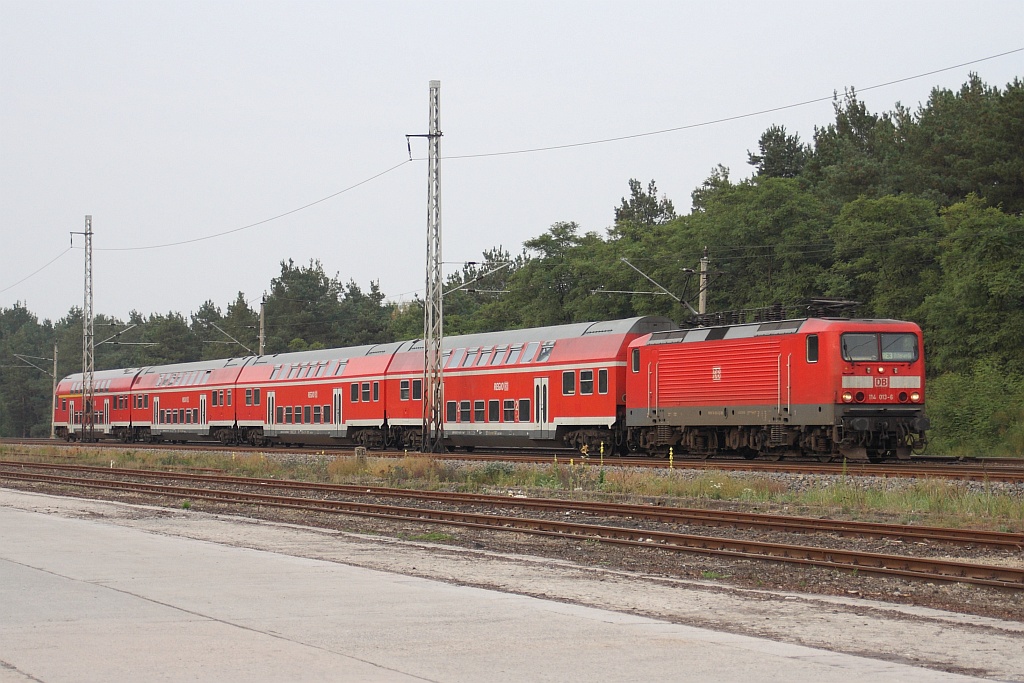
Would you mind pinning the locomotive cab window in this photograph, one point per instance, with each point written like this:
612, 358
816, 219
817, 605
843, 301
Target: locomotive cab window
870, 347
636, 360
899, 348
812, 348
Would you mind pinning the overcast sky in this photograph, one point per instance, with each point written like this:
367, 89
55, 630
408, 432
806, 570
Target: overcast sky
171, 121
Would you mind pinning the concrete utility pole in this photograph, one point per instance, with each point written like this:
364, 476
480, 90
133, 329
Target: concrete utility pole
433, 330
263, 335
702, 306
53, 396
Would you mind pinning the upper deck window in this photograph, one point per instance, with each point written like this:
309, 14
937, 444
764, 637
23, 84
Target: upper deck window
871, 347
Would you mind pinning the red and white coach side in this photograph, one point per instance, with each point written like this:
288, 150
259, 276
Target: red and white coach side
186, 401
111, 404
315, 397
555, 386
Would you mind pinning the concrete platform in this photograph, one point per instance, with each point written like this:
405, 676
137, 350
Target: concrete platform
90, 600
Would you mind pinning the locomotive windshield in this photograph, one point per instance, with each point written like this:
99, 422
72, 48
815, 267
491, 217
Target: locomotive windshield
870, 347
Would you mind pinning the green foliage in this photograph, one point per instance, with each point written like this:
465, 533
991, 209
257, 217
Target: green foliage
980, 410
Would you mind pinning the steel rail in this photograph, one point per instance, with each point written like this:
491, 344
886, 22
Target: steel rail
980, 470
872, 563
665, 514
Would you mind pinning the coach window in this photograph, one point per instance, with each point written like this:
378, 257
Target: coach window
513, 355
636, 360
493, 411
320, 369
288, 415
230, 391
366, 392
528, 354
509, 410
464, 411
181, 416
417, 389
812, 348
307, 413
354, 393
376, 391
478, 411
248, 397
63, 404
188, 417
213, 398
485, 356
280, 415
569, 383
586, 382
499, 355
524, 410
602, 381
327, 414
316, 415
470, 357
403, 390
451, 411
545, 351
298, 415
456, 357
145, 400
256, 397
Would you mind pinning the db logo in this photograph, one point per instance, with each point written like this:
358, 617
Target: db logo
881, 381
716, 374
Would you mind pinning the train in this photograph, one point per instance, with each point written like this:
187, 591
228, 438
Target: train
825, 388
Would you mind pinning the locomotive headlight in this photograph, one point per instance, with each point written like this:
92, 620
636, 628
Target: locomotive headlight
881, 370
847, 396
915, 396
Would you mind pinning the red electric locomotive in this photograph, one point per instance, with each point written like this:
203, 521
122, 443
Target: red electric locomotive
831, 388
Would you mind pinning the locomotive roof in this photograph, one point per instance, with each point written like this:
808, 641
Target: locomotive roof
762, 329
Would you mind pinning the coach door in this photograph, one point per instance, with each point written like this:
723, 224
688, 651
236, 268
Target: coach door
202, 409
156, 414
540, 407
336, 413
271, 412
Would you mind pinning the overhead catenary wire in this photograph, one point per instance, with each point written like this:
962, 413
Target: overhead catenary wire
524, 151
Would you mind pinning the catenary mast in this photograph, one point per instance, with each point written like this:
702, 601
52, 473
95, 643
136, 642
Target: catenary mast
433, 382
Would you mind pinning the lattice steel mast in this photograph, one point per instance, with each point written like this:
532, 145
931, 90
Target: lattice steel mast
433, 380
88, 345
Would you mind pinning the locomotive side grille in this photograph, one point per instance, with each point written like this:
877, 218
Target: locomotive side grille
778, 434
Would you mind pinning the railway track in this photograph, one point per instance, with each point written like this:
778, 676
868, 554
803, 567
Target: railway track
972, 469
225, 490
654, 513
